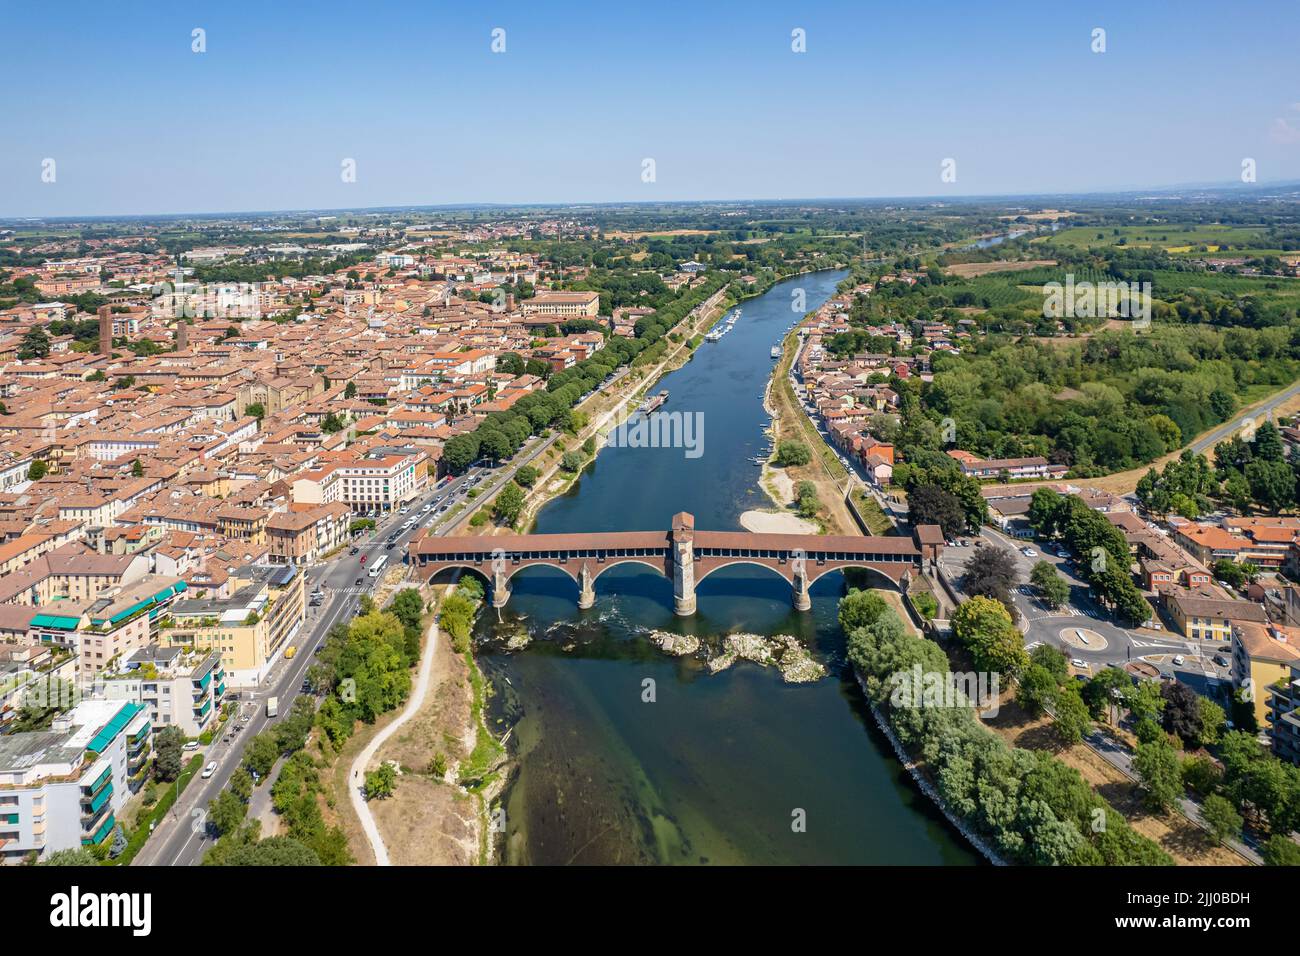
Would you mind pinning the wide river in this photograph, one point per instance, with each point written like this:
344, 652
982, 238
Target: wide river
716, 768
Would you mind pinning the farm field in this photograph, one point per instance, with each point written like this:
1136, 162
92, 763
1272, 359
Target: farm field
1168, 237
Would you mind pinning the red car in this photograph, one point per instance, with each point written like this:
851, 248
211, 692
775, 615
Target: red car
363, 560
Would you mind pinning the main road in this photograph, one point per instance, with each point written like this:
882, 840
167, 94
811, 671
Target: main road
182, 838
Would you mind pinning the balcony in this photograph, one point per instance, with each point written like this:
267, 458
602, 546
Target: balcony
93, 788
100, 835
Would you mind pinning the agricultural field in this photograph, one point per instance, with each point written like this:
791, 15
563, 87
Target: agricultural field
1172, 238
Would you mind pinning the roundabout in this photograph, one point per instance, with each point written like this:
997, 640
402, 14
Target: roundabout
1083, 639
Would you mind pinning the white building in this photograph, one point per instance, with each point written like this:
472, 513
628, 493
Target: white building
62, 788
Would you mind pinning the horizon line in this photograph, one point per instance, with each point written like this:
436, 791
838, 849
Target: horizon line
1127, 191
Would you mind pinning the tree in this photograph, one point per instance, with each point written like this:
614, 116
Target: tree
460, 451
331, 423
1104, 690
256, 410
930, 504
168, 748
496, 445
985, 627
1182, 713
507, 505
1201, 775
1071, 722
1053, 660
1229, 572
241, 784
1053, 588
792, 453
137, 469
571, 461
74, 856
350, 390
992, 573
1157, 767
226, 812
273, 851
381, 783
37, 470
860, 608
1281, 850
1213, 720
1221, 817
526, 476
1272, 483
1036, 689
35, 344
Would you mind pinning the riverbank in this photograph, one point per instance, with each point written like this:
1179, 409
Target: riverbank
603, 408
824, 470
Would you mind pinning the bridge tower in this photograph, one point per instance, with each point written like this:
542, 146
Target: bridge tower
500, 579
586, 588
799, 576
683, 538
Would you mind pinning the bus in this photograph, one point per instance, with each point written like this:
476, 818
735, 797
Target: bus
377, 568
272, 706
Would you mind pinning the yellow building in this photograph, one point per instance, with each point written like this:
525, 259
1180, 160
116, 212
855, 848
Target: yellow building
1262, 656
1209, 619
265, 609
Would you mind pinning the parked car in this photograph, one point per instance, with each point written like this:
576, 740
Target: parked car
1178, 660
1029, 552
1221, 660
191, 745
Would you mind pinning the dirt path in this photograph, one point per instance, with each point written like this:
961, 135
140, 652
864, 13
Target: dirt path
356, 776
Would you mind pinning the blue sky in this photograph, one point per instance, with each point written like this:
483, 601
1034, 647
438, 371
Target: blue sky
139, 124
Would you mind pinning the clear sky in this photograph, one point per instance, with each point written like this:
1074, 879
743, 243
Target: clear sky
137, 123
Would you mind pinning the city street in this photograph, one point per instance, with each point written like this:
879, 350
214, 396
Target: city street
1102, 642
182, 838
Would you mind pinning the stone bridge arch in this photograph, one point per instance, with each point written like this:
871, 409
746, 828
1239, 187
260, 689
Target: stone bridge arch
681, 554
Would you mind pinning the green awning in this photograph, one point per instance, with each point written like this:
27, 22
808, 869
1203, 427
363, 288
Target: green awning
58, 622
114, 727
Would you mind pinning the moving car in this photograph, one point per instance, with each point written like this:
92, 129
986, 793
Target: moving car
1029, 552
209, 770
354, 550
1178, 660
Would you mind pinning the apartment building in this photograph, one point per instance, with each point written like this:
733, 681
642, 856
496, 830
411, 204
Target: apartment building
563, 305
1262, 655
62, 788
265, 609
305, 536
177, 686
385, 479
1284, 714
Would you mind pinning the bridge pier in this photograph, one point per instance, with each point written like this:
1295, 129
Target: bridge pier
683, 538
586, 589
802, 597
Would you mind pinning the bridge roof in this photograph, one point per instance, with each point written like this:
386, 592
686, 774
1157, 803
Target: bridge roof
433, 544
437, 545
808, 542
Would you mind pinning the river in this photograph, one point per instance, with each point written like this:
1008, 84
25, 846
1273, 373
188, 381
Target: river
716, 768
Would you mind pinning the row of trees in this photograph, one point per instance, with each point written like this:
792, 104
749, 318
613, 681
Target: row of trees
501, 434
1030, 806
1100, 548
